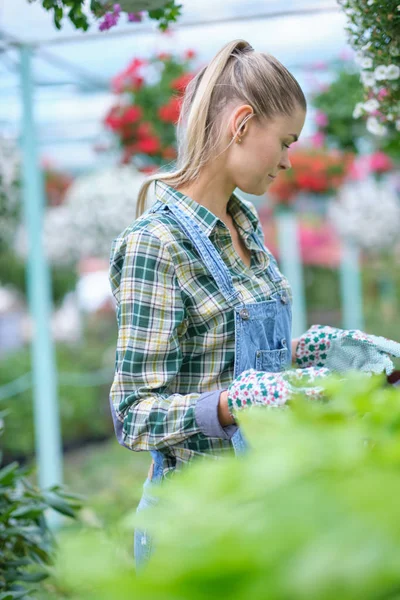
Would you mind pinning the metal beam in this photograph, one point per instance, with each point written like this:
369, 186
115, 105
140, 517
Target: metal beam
137, 30
46, 414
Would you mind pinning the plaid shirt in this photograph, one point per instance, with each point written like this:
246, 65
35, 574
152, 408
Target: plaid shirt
176, 332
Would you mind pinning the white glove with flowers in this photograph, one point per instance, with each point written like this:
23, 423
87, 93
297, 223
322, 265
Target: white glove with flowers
262, 388
342, 350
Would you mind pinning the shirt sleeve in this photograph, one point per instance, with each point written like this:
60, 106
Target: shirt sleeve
150, 311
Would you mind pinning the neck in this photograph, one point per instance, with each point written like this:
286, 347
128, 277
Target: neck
212, 191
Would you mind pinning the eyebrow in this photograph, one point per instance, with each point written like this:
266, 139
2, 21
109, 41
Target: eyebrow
295, 136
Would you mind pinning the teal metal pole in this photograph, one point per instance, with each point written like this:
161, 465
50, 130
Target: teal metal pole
46, 414
351, 287
291, 267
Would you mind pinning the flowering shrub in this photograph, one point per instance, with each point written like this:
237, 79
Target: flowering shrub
149, 94
334, 116
314, 171
97, 207
367, 213
373, 31
10, 200
163, 11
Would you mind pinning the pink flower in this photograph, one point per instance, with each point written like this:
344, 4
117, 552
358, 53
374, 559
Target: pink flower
379, 162
320, 65
382, 93
321, 119
318, 139
346, 54
135, 17
111, 18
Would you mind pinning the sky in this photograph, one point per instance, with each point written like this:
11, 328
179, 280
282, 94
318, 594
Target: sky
71, 91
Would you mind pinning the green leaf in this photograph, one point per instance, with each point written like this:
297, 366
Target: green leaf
59, 505
29, 511
7, 474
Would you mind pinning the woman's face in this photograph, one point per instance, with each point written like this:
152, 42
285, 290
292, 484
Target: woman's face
263, 152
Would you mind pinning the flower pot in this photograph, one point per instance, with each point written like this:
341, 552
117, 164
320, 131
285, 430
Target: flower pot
133, 6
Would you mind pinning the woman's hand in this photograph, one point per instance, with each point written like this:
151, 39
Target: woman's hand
262, 388
295, 342
224, 416
344, 349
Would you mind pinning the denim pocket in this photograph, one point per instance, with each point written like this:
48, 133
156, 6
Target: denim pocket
272, 361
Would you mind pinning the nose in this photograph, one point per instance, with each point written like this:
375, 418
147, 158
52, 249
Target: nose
285, 163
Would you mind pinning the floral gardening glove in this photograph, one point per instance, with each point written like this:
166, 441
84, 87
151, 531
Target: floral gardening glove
343, 350
252, 388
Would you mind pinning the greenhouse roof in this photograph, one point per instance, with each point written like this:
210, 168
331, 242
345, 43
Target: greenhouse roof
72, 69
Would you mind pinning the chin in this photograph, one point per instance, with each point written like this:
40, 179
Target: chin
256, 189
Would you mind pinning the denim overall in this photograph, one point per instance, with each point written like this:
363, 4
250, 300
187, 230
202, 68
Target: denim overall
262, 340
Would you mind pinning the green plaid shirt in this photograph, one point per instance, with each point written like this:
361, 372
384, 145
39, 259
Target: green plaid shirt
176, 332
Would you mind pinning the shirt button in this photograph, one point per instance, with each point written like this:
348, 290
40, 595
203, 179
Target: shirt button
244, 313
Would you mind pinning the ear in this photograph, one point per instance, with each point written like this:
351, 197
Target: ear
239, 121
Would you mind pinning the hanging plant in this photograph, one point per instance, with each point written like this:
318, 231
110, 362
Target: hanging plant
149, 97
314, 171
108, 13
373, 31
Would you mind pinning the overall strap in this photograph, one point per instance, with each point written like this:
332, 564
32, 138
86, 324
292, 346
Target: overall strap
206, 249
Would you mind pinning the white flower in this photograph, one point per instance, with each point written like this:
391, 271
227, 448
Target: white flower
398, 124
366, 47
394, 50
390, 117
367, 213
375, 127
380, 72
358, 110
359, 57
370, 2
393, 72
98, 206
366, 62
371, 105
367, 78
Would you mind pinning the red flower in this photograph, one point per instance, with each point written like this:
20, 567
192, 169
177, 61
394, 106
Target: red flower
144, 130
169, 152
113, 118
149, 170
170, 112
133, 66
132, 114
189, 54
149, 145
164, 55
128, 78
181, 82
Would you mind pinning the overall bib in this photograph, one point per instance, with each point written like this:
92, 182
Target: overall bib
263, 332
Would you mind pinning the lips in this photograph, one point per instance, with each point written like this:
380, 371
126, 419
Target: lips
272, 176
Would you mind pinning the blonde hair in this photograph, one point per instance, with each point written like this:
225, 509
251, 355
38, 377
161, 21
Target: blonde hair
236, 73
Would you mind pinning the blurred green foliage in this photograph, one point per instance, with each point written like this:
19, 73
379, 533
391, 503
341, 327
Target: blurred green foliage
337, 103
13, 274
84, 409
26, 541
311, 512
342, 130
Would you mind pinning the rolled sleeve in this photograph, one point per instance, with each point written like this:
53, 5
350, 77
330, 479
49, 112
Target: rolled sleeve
206, 416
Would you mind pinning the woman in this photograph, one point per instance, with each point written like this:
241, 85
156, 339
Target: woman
200, 299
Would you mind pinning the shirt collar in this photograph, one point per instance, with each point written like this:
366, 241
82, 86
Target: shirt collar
241, 213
